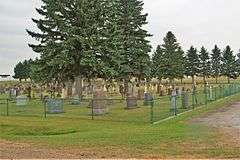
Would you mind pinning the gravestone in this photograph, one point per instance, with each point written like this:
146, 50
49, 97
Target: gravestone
54, 106
148, 98
21, 100
210, 94
132, 98
13, 93
185, 99
173, 108
99, 103
75, 100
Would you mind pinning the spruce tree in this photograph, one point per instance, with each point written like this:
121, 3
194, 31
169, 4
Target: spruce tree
172, 63
216, 58
19, 71
74, 39
157, 64
131, 39
238, 62
192, 64
205, 64
229, 66
156, 67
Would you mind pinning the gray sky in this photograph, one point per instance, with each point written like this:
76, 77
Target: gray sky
194, 22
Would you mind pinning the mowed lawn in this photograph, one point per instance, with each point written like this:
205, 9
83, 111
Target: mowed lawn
178, 138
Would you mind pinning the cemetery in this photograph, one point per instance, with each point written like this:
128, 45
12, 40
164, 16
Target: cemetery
99, 79
98, 105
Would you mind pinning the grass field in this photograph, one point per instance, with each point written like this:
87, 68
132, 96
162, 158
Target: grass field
108, 139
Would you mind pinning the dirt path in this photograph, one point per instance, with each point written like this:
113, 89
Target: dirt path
12, 150
226, 120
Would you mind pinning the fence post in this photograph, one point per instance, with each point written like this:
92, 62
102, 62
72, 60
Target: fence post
215, 90
45, 109
193, 99
7, 108
205, 93
92, 110
151, 112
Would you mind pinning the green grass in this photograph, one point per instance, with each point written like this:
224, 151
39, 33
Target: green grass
174, 138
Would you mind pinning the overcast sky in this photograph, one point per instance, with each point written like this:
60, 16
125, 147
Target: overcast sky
194, 22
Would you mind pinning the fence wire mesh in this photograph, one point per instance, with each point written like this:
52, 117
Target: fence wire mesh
115, 110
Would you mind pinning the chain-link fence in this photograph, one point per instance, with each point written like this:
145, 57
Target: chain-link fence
175, 104
141, 111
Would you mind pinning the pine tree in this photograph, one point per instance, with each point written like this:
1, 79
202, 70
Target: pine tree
205, 64
216, 58
192, 64
131, 40
229, 66
157, 62
172, 63
181, 67
18, 71
238, 63
74, 40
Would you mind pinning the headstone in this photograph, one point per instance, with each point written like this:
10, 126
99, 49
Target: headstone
13, 93
173, 108
185, 99
75, 100
54, 106
99, 103
147, 99
210, 94
131, 98
21, 100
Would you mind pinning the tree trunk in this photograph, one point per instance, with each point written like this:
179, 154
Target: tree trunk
172, 83
79, 87
193, 82
41, 94
216, 78
228, 80
126, 87
204, 80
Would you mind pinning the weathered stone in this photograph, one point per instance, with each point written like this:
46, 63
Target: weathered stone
99, 103
185, 99
21, 100
54, 106
148, 98
132, 98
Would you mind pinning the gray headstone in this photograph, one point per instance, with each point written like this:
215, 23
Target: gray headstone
21, 100
75, 100
185, 99
147, 98
54, 106
173, 108
99, 103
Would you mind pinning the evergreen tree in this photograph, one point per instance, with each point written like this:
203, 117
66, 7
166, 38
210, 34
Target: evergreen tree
74, 40
192, 64
23, 70
172, 63
229, 66
216, 62
182, 65
131, 39
157, 64
18, 71
205, 64
238, 63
